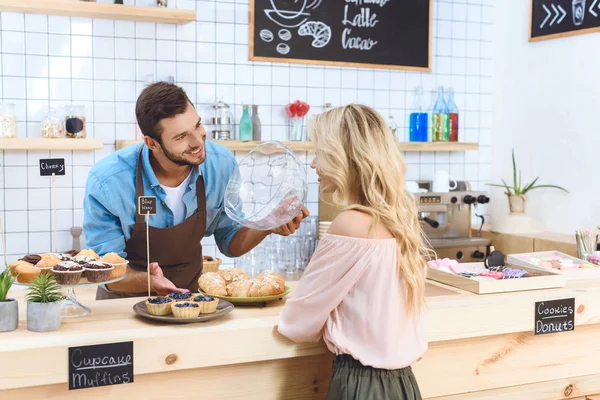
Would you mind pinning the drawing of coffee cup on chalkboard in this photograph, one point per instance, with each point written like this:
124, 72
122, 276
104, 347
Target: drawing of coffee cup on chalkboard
287, 14
578, 12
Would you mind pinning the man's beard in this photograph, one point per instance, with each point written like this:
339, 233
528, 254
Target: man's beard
180, 160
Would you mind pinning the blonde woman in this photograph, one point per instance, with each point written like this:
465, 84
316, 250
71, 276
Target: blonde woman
363, 291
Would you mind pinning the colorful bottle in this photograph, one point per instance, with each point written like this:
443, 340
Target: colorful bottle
452, 117
419, 120
440, 118
256, 125
245, 125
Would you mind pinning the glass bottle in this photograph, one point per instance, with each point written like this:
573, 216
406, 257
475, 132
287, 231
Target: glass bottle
75, 124
52, 125
245, 125
8, 121
452, 117
256, 125
393, 126
440, 118
419, 120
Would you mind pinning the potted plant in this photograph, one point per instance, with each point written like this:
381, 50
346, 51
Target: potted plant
517, 193
9, 308
44, 304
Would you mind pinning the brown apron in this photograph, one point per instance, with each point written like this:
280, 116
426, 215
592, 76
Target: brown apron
176, 249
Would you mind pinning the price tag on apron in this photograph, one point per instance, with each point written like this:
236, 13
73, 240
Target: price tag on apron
147, 205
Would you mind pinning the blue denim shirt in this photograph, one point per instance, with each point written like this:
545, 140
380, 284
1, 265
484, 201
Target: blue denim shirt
109, 205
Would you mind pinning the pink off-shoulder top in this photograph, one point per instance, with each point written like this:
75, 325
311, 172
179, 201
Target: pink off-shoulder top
351, 295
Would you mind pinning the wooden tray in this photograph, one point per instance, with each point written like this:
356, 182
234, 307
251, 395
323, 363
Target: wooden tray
570, 274
223, 308
546, 281
252, 300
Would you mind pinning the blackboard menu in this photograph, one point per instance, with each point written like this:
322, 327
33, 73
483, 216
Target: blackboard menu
100, 365
557, 18
393, 34
554, 316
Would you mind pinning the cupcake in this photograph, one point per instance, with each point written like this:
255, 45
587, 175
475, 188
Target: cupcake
32, 258
48, 261
159, 305
24, 271
97, 271
178, 296
83, 259
208, 304
185, 309
118, 262
63, 256
67, 273
88, 253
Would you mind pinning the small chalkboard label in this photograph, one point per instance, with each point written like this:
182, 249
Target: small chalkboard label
100, 365
146, 205
51, 166
554, 316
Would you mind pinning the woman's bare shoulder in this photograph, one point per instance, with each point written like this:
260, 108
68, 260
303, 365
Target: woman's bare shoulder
354, 223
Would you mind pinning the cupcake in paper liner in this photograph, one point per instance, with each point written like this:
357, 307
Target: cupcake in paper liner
67, 273
185, 309
118, 262
97, 271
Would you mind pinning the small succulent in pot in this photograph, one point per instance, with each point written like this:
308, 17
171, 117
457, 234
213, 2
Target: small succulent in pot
9, 308
44, 304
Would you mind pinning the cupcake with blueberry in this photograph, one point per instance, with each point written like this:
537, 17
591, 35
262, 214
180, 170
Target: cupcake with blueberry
159, 305
97, 271
178, 296
67, 273
185, 309
208, 304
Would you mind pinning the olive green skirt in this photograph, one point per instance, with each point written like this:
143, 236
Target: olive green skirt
353, 381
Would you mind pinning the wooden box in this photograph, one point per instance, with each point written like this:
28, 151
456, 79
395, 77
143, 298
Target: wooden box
546, 280
569, 274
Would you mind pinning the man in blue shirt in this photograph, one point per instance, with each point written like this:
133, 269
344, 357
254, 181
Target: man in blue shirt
188, 175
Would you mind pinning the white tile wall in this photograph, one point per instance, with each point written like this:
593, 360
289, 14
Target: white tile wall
103, 64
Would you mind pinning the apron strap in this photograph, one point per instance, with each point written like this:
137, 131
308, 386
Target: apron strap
139, 187
200, 193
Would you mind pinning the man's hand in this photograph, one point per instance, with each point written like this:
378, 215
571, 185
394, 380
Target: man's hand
293, 225
159, 284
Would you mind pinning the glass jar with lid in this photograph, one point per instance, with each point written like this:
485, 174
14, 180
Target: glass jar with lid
8, 120
52, 125
75, 124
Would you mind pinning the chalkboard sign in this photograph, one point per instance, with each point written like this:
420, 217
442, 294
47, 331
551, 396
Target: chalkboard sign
51, 166
146, 205
554, 316
557, 18
393, 34
100, 365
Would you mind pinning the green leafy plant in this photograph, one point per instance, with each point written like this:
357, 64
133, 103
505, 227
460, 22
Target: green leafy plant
6, 281
44, 289
518, 188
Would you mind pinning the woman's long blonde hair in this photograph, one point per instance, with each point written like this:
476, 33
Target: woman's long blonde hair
365, 169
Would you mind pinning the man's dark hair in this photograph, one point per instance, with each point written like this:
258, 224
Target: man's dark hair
158, 101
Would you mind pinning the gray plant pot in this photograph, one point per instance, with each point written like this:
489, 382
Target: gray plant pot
9, 315
43, 317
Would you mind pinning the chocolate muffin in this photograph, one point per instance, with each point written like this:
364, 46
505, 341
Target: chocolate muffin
67, 273
97, 271
31, 258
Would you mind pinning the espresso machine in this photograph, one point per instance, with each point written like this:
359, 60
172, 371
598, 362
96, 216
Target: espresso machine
446, 220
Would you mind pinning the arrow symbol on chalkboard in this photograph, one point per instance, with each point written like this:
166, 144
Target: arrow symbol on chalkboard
564, 14
591, 10
558, 12
547, 16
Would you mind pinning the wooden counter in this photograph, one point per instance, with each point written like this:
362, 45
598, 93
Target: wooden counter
481, 347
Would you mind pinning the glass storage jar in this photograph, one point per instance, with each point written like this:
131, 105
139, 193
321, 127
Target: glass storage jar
75, 125
52, 125
8, 120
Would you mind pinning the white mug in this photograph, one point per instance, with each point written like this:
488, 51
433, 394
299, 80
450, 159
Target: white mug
441, 183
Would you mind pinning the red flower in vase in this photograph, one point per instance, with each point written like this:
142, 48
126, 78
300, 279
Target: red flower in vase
297, 109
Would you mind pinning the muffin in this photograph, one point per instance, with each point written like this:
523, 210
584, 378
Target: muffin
178, 296
208, 304
63, 256
32, 258
97, 271
159, 305
118, 262
185, 309
88, 253
83, 259
67, 273
25, 272
48, 261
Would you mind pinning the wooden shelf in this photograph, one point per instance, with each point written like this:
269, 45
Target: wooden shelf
236, 145
86, 9
50, 144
